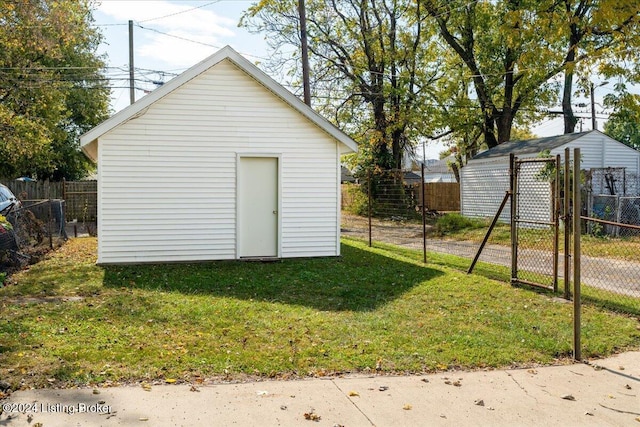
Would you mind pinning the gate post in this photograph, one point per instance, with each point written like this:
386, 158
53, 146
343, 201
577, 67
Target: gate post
577, 208
567, 222
369, 202
556, 222
514, 228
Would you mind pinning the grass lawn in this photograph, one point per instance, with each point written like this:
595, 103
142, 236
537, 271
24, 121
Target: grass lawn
372, 309
624, 248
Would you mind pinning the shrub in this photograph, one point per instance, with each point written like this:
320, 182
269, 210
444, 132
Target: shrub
355, 199
453, 222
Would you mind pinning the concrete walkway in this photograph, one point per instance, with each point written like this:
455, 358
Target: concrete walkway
601, 393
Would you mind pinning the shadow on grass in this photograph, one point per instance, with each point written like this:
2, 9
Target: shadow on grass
360, 280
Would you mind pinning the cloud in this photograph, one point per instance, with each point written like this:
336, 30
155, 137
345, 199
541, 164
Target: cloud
182, 24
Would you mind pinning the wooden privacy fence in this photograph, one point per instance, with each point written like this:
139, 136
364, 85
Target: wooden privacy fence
81, 197
440, 196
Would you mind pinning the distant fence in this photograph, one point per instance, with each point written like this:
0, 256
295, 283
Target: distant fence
80, 196
33, 229
441, 196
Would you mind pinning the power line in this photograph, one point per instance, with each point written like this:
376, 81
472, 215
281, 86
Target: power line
180, 12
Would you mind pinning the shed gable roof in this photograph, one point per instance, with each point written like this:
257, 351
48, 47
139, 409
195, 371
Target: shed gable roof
89, 140
530, 146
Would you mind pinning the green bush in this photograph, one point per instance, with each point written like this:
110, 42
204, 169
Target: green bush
355, 199
453, 222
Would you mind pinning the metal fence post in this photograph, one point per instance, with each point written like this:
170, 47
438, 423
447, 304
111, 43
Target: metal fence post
424, 218
369, 202
567, 222
556, 223
577, 208
514, 228
49, 226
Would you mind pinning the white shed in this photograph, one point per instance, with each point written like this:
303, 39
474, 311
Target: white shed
219, 163
485, 178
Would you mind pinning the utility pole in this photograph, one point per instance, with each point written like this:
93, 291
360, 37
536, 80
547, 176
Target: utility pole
594, 124
132, 90
305, 52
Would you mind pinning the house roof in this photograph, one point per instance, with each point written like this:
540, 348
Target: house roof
530, 146
411, 177
89, 140
433, 166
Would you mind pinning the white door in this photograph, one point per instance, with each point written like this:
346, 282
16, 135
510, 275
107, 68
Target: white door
258, 206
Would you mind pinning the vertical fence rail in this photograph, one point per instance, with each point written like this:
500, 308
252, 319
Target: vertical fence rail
567, 223
577, 231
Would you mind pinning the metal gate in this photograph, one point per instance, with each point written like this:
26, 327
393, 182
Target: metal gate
535, 212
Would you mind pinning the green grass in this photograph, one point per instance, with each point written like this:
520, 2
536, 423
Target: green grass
296, 317
456, 227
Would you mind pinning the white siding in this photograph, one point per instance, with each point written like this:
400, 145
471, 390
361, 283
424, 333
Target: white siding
599, 151
168, 177
483, 182
483, 185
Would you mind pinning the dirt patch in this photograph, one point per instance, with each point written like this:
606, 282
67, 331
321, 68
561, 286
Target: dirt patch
403, 233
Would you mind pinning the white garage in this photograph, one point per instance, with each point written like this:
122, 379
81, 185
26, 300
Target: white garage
485, 178
219, 163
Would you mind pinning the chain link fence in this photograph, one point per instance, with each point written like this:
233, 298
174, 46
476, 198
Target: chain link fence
536, 212
33, 229
610, 255
610, 264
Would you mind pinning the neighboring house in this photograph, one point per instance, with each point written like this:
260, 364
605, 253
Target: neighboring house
219, 163
485, 178
411, 178
437, 170
346, 176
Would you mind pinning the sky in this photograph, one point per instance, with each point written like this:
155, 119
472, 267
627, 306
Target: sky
173, 35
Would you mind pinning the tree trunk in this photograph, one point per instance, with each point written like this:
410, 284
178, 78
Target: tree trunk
505, 123
570, 120
488, 129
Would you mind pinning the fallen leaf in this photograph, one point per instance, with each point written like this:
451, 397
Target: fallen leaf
193, 388
143, 419
283, 407
457, 383
407, 407
479, 402
424, 380
532, 371
146, 387
170, 380
312, 416
628, 387
589, 414
354, 393
96, 391
568, 397
383, 388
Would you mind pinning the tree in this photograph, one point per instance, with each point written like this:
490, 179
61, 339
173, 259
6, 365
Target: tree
371, 63
508, 59
51, 86
624, 124
596, 32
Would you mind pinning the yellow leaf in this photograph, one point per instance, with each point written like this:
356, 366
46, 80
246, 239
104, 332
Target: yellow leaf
170, 380
354, 393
